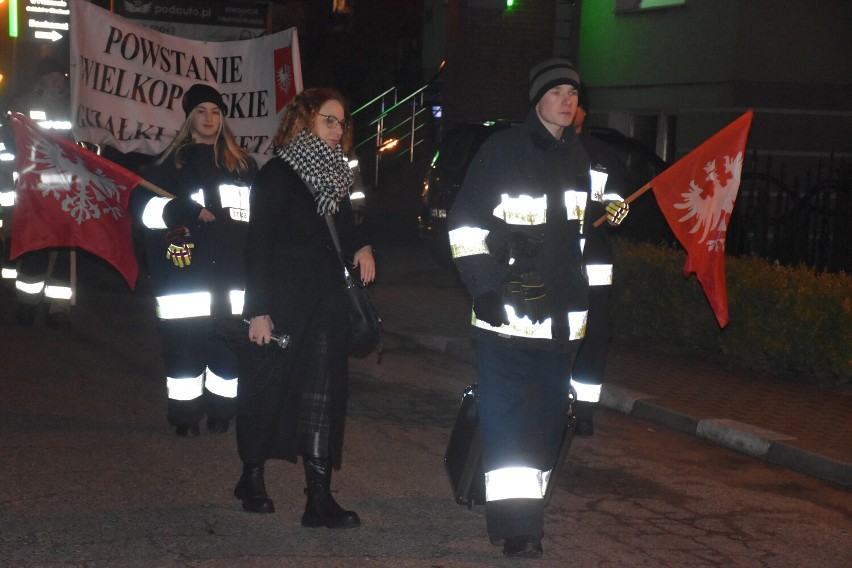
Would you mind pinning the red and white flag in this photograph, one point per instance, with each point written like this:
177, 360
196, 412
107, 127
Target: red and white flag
67, 196
697, 195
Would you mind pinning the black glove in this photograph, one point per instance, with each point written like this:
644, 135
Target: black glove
523, 245
488, 307
527, 294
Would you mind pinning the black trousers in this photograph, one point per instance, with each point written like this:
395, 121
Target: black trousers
199, 347
523, 397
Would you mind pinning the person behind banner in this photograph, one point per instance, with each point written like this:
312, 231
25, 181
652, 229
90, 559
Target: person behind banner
295, 286
44, 279
194, 246
608, 179
515, 233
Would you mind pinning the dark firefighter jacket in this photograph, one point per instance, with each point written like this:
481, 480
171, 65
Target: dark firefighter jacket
525, 181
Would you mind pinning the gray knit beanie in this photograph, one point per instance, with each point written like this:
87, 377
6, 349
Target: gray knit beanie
550, 73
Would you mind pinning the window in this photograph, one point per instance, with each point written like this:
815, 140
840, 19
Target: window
636, 5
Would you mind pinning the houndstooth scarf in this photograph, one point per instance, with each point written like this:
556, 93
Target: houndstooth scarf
318, 164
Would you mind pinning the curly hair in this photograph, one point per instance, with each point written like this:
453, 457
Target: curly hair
301, 111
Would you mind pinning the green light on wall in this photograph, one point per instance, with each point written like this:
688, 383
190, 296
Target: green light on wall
13, 18
510, 4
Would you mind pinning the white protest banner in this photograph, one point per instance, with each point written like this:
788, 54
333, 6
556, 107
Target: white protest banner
127, 82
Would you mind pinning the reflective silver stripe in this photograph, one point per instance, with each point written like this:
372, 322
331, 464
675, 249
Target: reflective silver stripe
515, 483
152, 216
523, 327
598, 184
38, 115
8, 273
518, 327
198, 197
220, 385
235, 197
582, 244
522, 210
185, 389
237, 301
7, 198
612, 197
55, 124
575, 203
178, 306
599, 274
58, 292
29, 287
586, 392
467, 241
577, 324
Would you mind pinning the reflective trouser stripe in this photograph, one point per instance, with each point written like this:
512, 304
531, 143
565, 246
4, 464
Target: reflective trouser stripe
32, 288
185, 389
586, 392
8, 273
516, 483
219, 385
599, 274
58, 292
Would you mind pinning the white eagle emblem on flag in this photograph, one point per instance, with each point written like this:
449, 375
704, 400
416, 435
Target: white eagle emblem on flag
84, 194
710, 213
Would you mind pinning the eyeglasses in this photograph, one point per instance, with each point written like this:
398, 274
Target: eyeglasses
332, 121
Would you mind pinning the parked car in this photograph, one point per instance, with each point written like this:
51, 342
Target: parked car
449, 165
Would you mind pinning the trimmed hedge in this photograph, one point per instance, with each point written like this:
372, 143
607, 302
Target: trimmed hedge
788, 321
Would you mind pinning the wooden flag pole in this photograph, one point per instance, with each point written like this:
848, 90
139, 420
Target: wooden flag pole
630, 199
156, 189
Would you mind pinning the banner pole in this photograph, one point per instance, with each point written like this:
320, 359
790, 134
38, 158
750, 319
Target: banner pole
155, 188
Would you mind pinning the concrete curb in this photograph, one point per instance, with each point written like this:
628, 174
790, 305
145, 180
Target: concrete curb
760, 443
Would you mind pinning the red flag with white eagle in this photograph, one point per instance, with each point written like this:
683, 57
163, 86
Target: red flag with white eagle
697, 196
67, 196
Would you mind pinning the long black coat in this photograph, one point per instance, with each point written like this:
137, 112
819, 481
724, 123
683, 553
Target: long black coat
293, 274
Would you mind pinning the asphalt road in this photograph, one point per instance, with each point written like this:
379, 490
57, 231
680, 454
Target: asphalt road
91, 474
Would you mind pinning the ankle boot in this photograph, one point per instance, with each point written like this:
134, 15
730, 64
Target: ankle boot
321, 510
252, 490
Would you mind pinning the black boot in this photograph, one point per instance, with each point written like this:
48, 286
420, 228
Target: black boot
252, 490
322, 510
585, 413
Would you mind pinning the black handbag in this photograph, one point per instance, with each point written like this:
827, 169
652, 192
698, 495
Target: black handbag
365, 321
463, 457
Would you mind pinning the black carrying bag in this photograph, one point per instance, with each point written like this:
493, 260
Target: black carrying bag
365, 322
463, 458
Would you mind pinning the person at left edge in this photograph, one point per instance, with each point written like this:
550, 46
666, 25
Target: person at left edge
194, 245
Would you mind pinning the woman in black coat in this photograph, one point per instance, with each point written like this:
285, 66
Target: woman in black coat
294, 402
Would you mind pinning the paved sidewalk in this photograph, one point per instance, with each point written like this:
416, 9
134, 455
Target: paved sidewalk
801, 427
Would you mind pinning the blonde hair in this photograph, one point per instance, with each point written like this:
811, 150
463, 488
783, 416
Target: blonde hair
226, 152
300, 113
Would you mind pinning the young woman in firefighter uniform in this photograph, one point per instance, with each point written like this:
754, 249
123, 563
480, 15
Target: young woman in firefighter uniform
194, 247
295, 286
607, 182
515, 231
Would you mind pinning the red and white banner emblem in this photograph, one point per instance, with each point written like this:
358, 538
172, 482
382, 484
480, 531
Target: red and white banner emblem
697, 195
67, 196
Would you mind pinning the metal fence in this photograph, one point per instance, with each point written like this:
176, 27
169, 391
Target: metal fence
794, 219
